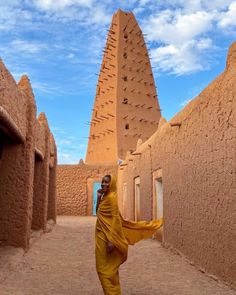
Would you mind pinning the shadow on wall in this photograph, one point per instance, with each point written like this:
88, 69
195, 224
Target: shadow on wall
28, 160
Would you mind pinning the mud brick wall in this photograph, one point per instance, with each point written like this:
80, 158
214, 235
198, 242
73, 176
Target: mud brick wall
72, 186
196, 154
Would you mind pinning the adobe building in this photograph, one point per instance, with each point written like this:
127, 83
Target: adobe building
126, 106
186, 173
125, 110
28, 160
183, 170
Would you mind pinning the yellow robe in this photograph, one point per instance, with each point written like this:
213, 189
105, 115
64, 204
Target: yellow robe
112, 227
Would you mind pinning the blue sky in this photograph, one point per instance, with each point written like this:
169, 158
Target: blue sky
58, 44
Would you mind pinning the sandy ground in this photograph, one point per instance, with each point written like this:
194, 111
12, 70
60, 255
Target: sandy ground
63, 262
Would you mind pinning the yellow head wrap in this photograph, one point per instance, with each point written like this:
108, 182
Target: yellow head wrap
112, 186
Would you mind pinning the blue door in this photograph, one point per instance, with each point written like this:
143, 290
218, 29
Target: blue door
96, 186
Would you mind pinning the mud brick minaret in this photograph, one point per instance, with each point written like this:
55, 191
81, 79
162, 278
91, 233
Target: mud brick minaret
126, 107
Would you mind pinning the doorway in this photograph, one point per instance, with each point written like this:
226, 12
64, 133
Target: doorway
96, 186
158, 200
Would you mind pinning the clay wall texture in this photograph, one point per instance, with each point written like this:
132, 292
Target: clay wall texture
126, 106
196, 154
39, 139
16, 110
52, 197
41, 180
24, 150
73, 183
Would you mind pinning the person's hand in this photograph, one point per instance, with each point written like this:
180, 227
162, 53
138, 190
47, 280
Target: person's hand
99, 193
110, 247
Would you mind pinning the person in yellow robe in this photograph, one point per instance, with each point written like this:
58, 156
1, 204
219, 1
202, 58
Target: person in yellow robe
113, 234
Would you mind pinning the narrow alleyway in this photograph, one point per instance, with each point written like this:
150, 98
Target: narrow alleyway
62, 262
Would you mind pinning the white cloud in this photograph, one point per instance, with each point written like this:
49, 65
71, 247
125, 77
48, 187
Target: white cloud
228, 18
27, 46
48, 89
144, 2
61, 4
186, 6
219, 5
175, 27
99, 15
182, 32
191, 6
181, 59
126, 3
138, 10
84, 12
12, 15
204, 43
180, 38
